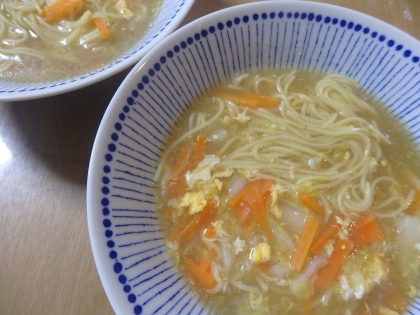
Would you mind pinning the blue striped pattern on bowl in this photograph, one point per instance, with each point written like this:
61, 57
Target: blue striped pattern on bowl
126, 236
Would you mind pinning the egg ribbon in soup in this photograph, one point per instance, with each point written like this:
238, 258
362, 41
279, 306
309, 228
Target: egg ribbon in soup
290, 193
47, 40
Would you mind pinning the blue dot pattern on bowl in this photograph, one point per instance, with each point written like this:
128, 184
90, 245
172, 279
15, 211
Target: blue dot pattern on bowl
169, 8
142, 267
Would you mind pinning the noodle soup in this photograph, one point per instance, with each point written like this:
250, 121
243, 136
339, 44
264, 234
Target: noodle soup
292, 193
38, 45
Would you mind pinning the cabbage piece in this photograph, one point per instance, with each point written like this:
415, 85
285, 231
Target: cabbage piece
407, 240
261, 253
408, 232
194, 201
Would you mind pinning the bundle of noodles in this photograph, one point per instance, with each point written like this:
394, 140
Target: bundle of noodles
325, 141
25, 26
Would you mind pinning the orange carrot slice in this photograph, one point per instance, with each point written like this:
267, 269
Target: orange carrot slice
101, 26
176, 186
307, 304
370, 232
310, 202
235, 201
244, 212
320, 242
209, 231
59, 9
361, 222
327, 275
305, 239
187, 159
262, 184
205, 265
186, 227
265, 267
202, 277
247, 99
255, 201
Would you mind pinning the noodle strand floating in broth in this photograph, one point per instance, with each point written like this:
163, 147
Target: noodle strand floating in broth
39, 42
323, 140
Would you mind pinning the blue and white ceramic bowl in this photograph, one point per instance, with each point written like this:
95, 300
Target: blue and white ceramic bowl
170, 16
126, 238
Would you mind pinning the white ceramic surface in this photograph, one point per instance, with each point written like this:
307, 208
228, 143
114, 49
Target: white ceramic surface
170, 16
126, 238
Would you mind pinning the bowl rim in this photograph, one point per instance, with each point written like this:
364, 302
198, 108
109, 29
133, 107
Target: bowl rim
97, 75
119, 97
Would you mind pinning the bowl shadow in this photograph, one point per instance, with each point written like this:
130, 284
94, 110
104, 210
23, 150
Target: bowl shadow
60, 130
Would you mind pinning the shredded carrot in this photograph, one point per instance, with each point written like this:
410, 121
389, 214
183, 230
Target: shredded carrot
187, 159
364, 220
414, 204
264, 267
244, 212
101, 26
205, 265
256, 203
305, 239
265, 185
249, 203
247, 99
190, 224
366, 230
262, 184
210, 254
235, 201
176, 186
209, 231
327, 275
307, 304
320, 242
310, 202
59, 9
203, 278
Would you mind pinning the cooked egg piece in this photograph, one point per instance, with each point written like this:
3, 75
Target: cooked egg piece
261, 253
194, 201
202, 173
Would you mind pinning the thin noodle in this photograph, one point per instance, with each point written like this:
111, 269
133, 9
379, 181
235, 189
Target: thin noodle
22, 28
326, 127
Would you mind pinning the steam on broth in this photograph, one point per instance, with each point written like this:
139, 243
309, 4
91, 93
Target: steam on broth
39, 45
293, 193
